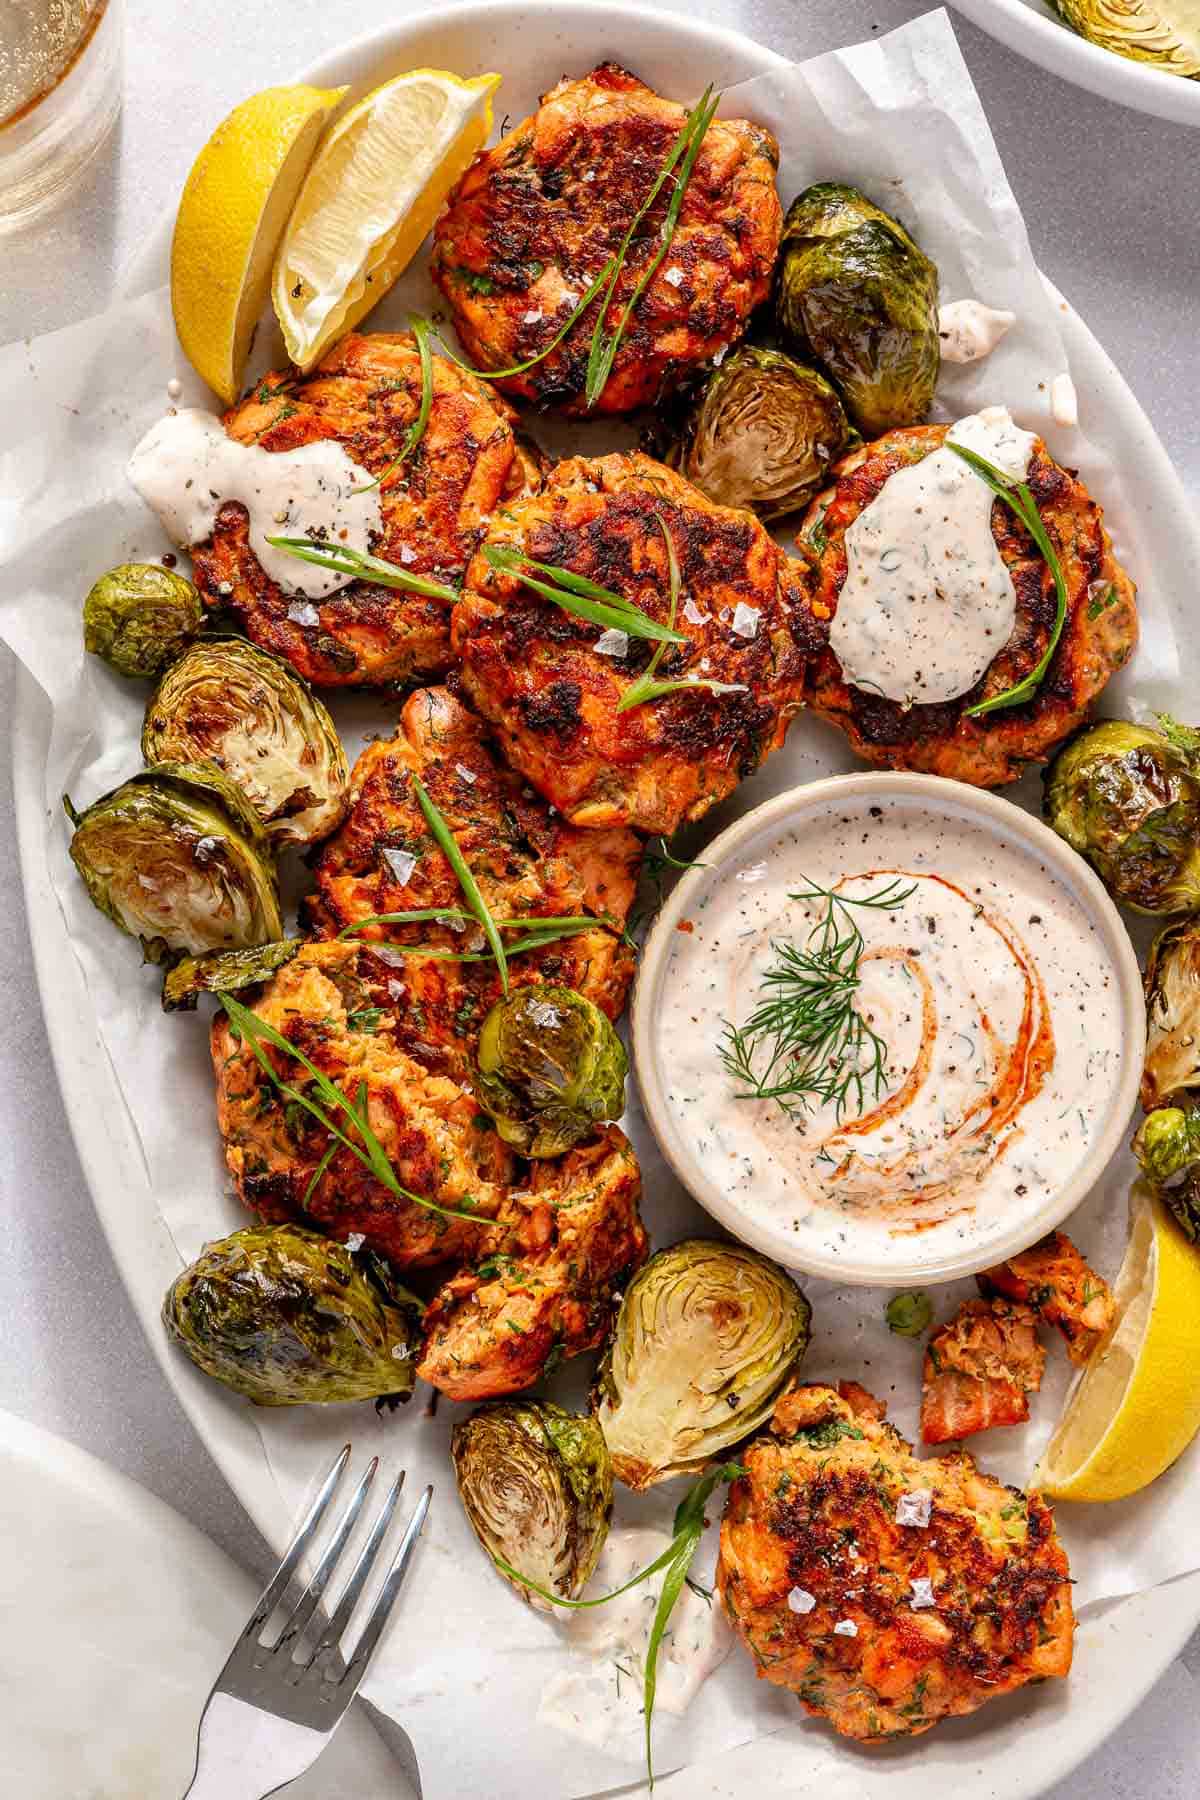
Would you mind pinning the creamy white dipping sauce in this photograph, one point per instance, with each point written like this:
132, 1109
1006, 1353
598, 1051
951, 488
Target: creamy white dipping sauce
927, 603
187, 466
994, 993
604, 1693
969, 330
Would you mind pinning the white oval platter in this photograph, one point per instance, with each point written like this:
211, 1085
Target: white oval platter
1017, 1748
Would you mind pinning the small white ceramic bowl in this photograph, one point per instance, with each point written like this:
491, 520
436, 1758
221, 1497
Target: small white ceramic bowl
882, 1257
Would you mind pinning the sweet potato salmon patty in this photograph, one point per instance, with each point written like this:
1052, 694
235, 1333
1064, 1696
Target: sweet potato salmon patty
535, 672
887, 1591
534, 221
364, 396
528, 862
1098, 636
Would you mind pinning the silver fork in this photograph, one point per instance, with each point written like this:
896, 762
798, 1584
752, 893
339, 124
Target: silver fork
270, 1714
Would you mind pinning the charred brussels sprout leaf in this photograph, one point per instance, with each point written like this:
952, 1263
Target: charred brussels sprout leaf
227, 702
288, 1317
139, 617
707, 1336
177, 858
1167, 1145
225, 971
1171, 1074
536, 1484
1165, 33
764, 434
550, 1068
1128, 798
858, 295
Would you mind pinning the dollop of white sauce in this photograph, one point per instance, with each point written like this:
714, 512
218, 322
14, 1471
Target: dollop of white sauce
927, 603
187, 466
995, 997
969, 330
1064, 402
602, 1693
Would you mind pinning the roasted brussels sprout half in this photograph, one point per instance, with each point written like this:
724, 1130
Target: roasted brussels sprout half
176, 857
763, 434
225, 971
227, 702
1171, 1073
1165, 33
855, 293
1167, 1145
288, 1318
707, 1336
1128, 798
550, 1067
536, 1484
140, 616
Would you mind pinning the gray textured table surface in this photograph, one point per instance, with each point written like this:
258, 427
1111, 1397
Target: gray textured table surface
1110, 204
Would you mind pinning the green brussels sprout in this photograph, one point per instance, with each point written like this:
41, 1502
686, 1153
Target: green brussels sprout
140, 616
908, 1315
764, 434
550, 1067
1167, 1145
1171, 1072
536, 1484
176, 857
1165, 33
855, 293
288, 1317
1128, 798
707, 1337
227, 702
226, 971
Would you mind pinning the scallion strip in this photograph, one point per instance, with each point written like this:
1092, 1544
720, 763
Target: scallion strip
1017, 496
576, 595
344, 561
416, 431
448, 844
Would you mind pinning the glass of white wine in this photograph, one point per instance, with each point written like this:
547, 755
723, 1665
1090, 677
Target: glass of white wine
60, 90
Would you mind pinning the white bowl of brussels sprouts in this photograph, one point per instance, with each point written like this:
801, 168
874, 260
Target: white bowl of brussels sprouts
890, 1030
1144, 53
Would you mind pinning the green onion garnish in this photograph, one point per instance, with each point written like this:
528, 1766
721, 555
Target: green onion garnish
645, 688
447, 842
256, 1031
687, 145
416, 431
1017, 496
366, 568
577, 595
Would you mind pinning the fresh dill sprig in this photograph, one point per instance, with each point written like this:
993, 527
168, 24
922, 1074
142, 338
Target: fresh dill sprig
806, 1043
645, 688
345, 561
578, 595
416, 431
1017, 496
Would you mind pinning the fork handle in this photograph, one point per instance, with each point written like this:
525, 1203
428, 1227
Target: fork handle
245, 1754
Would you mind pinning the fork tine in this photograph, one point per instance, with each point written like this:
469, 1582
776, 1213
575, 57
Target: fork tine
381, 1611
270, 1596
332, 1633
310, 1599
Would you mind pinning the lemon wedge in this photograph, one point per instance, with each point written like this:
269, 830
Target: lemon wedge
373, 192
231, 216
1136, 1407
